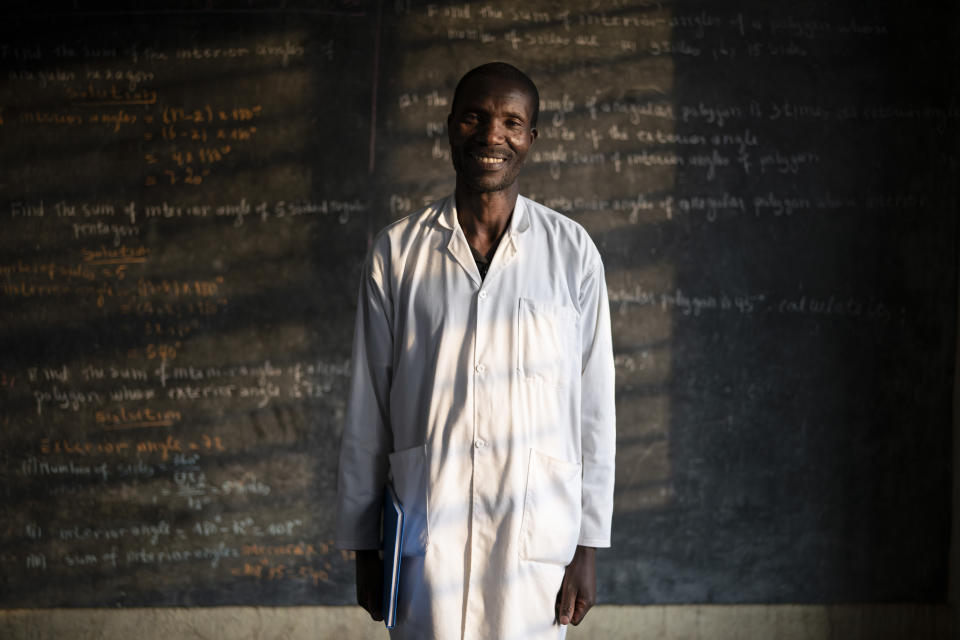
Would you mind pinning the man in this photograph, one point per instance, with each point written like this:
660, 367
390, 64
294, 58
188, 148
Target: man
483, 389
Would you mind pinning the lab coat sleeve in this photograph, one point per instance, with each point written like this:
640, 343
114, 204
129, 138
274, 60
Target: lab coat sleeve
367, 438
597, 411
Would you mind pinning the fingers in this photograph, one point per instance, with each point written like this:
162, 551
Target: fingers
566, 601
371, 604
370, 583
376, 605
579, 588
573, 602
580, 610
374, 611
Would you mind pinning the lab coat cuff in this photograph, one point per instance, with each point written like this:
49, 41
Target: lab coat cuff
599, 543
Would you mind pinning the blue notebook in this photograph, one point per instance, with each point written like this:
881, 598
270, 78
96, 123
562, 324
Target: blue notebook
392, 546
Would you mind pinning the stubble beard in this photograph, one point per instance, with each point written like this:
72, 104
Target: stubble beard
482, 184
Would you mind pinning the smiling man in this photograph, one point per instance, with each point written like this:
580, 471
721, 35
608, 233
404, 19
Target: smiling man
483, 389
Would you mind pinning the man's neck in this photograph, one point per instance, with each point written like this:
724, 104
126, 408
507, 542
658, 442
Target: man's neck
484, 216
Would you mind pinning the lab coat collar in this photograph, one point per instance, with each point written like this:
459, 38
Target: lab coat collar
459, 248
519, 223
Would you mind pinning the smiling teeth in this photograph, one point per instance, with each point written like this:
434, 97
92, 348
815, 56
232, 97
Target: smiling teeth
490, 160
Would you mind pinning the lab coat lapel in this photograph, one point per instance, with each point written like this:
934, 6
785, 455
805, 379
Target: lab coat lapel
510, 243
457, 245
504, 254
459, 248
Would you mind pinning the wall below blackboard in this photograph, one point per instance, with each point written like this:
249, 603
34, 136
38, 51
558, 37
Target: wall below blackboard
744, 622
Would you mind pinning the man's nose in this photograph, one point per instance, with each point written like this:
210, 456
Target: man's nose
492, 132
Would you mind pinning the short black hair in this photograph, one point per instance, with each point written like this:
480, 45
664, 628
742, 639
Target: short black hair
503, 71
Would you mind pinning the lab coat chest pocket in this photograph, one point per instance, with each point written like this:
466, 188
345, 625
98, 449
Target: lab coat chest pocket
551, 510
546, 342
408, 471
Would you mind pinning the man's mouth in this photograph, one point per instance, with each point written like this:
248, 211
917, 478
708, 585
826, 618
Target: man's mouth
488, 161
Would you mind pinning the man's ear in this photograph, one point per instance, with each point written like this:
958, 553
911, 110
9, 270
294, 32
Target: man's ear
533, 133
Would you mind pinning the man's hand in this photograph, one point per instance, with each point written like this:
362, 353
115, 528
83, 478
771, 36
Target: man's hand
370, 582
578, 591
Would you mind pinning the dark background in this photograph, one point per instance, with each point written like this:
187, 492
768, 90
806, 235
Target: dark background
773, 190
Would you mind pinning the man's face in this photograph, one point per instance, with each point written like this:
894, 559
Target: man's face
490, 133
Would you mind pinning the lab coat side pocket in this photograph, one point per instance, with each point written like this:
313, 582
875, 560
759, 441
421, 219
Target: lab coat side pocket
551, 510
408, 472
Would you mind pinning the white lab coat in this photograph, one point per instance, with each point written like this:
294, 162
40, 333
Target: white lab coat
490, 404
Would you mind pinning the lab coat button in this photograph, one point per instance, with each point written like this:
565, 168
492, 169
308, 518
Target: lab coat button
481, 368
480, 443
483, 295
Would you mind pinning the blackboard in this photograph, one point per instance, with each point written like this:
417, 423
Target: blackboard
188, 192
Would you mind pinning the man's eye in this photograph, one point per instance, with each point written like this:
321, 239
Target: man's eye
469, 117
514, 124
